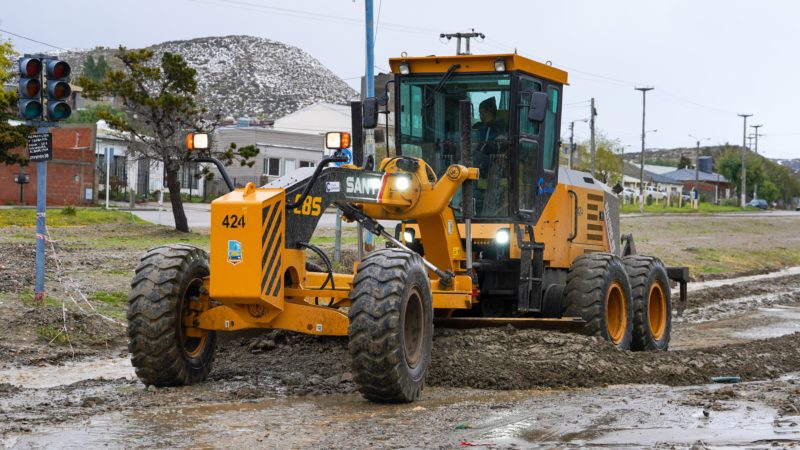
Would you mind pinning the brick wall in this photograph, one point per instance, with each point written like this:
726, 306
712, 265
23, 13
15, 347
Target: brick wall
69, 173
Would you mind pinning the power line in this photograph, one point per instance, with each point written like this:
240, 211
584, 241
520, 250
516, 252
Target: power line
31, 39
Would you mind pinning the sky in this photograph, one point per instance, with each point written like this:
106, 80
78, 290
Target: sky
707, 60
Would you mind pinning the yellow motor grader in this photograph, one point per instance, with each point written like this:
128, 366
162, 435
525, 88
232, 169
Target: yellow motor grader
490, 231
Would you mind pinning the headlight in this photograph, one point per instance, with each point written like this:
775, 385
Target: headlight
502, 236
402, 183
408, 237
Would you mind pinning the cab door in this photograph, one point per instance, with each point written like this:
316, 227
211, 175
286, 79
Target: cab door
537, 149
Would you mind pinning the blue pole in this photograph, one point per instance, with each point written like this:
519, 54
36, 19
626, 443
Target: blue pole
41, 206
370, 85
370, 74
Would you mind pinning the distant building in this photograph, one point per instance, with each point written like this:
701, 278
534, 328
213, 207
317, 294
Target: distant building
71, 177
280, 153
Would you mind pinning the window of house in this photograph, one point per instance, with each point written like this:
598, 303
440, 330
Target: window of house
272, 166
307, 164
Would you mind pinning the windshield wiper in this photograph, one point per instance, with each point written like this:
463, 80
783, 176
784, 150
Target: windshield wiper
445, 78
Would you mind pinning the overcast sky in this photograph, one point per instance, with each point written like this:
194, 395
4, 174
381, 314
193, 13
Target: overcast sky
708, 60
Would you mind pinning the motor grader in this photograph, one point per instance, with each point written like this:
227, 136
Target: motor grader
490, 231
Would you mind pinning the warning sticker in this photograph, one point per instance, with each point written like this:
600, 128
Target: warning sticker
332, 186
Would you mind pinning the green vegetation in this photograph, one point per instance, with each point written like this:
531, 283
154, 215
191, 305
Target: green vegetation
705, 208
114, 298
11, 136
66, 217
50, 334
773, 181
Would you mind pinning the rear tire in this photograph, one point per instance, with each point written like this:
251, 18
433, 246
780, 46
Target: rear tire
598, 291
166, 288
652, 302
391, 326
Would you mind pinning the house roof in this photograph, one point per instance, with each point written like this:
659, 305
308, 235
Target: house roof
318, 118
689, 175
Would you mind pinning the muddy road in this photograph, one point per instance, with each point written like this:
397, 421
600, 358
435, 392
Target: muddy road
497, 387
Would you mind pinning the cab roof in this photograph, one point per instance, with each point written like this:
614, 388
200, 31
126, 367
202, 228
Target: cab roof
477, 64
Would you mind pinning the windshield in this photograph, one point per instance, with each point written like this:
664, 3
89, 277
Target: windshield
429, 129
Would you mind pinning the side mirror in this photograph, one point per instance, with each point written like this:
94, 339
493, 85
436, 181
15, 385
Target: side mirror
537, 107
370, 116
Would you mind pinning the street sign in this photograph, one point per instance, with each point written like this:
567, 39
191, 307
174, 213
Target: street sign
40, 147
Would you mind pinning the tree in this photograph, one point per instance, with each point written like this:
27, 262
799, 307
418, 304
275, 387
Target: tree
159, 110
95, 70
11, 136
93, 113
768, 191
685, 162
608, 163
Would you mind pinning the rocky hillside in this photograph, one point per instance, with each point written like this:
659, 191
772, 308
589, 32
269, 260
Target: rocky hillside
246, 75
793, 164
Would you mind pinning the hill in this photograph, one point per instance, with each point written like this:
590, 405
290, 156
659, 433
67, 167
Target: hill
245, 75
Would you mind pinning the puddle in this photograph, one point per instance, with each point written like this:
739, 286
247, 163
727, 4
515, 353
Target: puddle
730, 308
641, 417
39, 377
716, 283
782, 320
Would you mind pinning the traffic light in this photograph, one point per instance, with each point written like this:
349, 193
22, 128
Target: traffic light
30, 88
58, 91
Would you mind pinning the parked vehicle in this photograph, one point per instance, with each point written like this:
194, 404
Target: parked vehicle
758, 203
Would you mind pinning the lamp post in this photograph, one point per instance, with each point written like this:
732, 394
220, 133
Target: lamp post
572, 138
697, 170
641, 168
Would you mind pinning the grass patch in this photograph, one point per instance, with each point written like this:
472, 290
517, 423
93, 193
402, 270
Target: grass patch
705, 208
49, 334
66, 217
115, 298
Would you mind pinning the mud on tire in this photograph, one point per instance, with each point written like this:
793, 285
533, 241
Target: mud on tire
652, 303
598, 291
167, 280
391, 326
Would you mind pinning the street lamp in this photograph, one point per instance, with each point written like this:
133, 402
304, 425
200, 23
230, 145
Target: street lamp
572, 138
697, 167
21, 179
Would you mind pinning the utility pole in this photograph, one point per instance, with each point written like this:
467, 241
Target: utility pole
459, 37
572, 139
641, 167
744, 153
593, 113
756, 135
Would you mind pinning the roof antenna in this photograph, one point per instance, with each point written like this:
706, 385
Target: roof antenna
459, 37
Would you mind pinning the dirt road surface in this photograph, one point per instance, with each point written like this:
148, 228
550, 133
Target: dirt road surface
494, 388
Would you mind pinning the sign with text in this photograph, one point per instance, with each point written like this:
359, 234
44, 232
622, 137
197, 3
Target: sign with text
40, 147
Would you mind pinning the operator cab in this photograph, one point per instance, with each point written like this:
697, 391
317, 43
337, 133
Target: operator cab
514, 145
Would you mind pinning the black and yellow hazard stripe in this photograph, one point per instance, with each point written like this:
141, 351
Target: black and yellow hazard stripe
271, 242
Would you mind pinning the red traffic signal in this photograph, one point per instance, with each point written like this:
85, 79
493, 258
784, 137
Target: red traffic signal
57, 69
30, 67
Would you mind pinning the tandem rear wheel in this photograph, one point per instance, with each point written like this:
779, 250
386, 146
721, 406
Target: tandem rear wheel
391, 326
599, 292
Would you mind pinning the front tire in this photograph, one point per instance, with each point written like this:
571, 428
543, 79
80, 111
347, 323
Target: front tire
391, 326
598, 291
165, 293
652, 303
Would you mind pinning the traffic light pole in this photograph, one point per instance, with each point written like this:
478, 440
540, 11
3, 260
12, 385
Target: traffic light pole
41, 231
